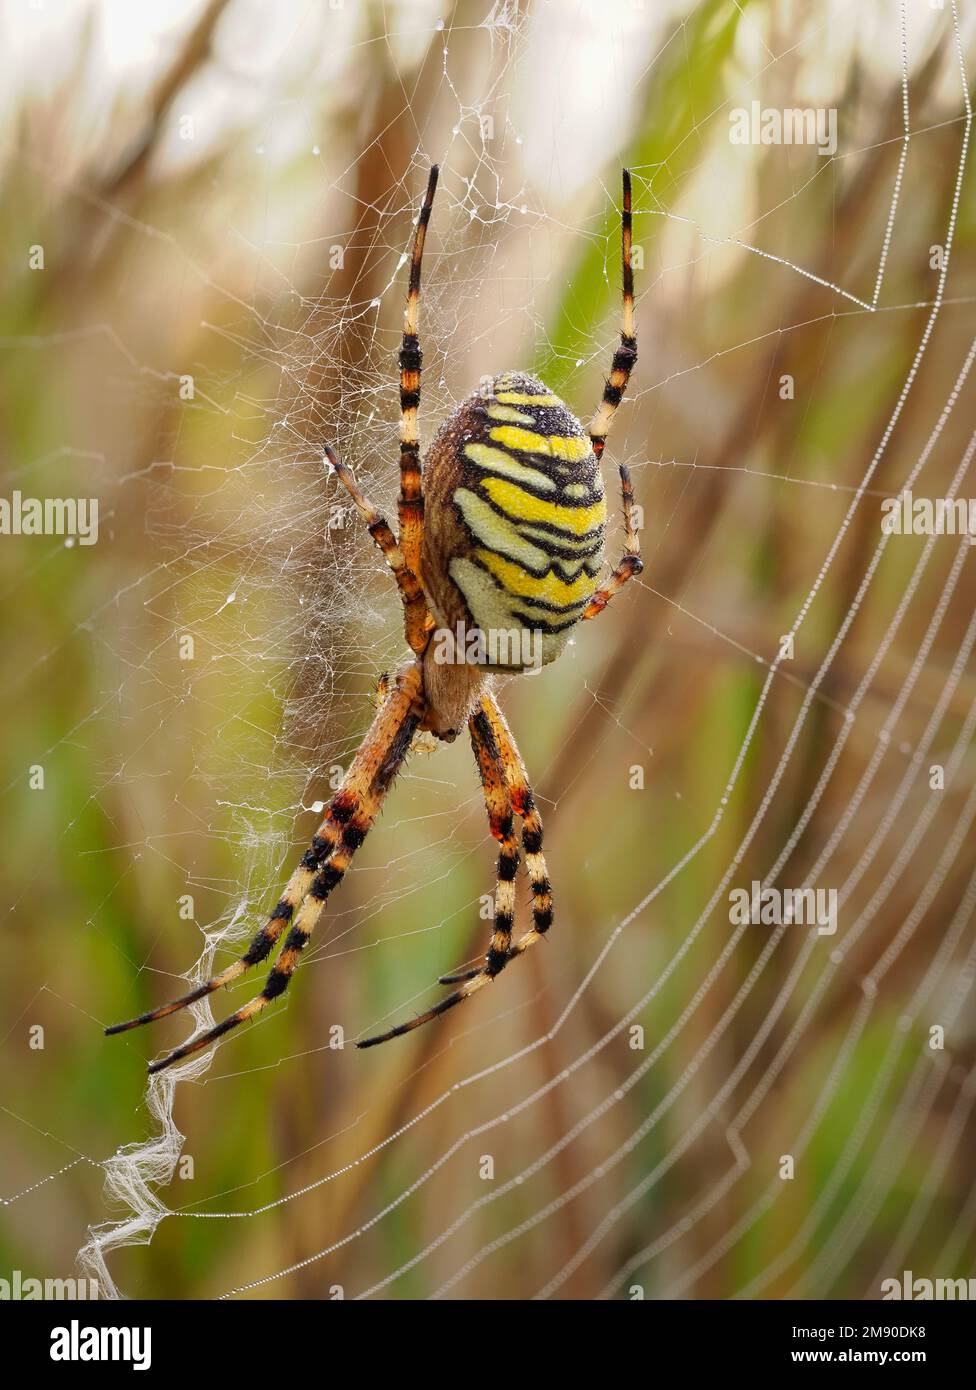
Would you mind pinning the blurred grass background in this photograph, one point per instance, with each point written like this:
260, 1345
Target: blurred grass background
209, 257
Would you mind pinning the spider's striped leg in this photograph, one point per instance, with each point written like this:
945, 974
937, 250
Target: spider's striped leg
411, 505
323, 843
415, 614
626, 354
524, 803
506, 787
630, 562
348, 817
498, 803
385, 757
623, 364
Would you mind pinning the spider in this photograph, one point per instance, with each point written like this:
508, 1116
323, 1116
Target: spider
501, 536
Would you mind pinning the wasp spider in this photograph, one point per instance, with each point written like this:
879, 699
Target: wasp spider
502, 531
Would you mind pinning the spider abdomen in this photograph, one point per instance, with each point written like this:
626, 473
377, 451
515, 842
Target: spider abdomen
515, 520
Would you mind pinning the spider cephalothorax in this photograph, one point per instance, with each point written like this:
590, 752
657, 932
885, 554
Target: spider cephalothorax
500, 546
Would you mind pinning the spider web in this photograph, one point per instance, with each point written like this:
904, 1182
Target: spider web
614, 1120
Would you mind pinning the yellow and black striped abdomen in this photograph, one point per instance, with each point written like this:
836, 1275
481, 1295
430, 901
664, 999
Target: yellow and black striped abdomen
515, 516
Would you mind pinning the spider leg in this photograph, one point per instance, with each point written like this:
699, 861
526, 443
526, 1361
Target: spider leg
524, 803
498, 803
323, 843
506, 788
626, 354
411, 506
416, 617
349, 816
478, 981
621, 368
458, 976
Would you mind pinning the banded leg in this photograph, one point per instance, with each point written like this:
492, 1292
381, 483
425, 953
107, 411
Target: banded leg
411, 505
626, 354
506, 789
524, 804
621, 368
499, 806
323, 843
498, 803
415, 614
630, 562
348, 817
